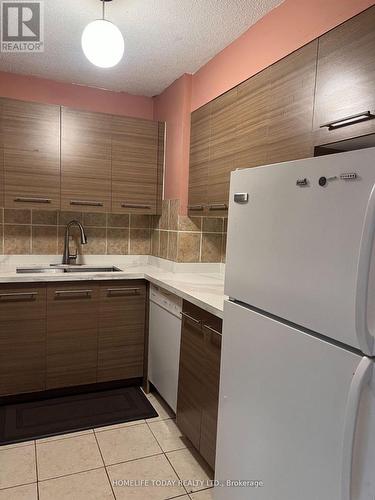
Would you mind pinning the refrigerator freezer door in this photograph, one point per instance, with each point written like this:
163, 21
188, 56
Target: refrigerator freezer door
301, 247
290, 406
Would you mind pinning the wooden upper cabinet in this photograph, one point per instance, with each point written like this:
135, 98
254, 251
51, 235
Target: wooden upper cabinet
199, 159
291, 106
346, 80
253, 121
30, 138
223, 146
85, 161
135, 173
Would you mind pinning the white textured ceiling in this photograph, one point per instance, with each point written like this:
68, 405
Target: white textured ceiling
163, 40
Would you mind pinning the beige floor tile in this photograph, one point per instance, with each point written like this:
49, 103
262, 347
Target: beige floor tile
118, 426
169, 435
190, 467
16, 445
17, 466
64, 436
68, 456
26, 492
203, 495
127, 443
150, 469
91, 485
161, 407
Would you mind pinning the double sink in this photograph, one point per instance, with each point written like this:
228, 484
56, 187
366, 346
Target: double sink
62, 268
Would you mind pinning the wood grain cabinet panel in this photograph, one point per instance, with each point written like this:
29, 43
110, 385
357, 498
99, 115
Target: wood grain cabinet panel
199, 159
345, 79
291, 105
223, 146
85, 161
135, 173
122, 318
22, 339
1, 177
199, 378
72, 334
30, 135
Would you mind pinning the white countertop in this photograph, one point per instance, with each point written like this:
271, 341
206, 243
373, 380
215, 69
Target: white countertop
200, 284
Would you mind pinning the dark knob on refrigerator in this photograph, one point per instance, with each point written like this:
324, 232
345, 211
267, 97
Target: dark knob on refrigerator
322, 181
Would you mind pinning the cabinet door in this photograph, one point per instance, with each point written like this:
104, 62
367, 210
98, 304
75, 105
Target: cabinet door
134, 165
253, 121
345, 80
222, 151
291, 104
212, 328
85, 161
72, 334
30, 134
22, 339
190, 382
199, 159
121, 331
1, 177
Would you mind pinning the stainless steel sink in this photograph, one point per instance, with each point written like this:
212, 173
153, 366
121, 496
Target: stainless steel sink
60, 268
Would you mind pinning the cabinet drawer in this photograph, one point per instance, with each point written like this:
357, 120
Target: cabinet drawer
22, 303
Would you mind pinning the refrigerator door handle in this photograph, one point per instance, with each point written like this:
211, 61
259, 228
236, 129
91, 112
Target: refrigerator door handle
365, 339
361, 377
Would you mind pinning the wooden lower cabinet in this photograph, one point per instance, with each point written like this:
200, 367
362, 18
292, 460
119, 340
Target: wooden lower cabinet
22, 339
199, 377
122, 315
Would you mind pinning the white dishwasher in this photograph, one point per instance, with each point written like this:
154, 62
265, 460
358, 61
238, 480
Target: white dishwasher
164, 343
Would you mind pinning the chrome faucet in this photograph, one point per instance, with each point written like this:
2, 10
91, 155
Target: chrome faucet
68, 257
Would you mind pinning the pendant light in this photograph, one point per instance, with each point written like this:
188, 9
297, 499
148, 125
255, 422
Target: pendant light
102, 42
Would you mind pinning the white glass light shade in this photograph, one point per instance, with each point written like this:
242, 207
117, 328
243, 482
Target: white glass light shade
103, 43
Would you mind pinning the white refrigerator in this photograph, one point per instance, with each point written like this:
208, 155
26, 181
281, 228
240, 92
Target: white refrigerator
297, 394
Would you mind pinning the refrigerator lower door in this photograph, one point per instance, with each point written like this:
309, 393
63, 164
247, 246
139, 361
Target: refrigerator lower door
296, 414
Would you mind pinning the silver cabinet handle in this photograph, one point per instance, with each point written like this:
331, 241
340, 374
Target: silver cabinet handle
196, 207
135, 205
349, 120
73, 292
212, 330
241, 197
190, 318
18, 295
134, 291
22, 199
218, 206
87, 203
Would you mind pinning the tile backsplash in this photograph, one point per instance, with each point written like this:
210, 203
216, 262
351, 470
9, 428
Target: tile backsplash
41, 232
188, 239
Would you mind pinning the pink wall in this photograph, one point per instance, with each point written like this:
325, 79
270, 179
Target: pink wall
285, 29
31, 88
173, 107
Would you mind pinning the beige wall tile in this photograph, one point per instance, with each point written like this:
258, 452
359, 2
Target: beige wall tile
17, 239
155, 243
96, 241
213, 224
17, 216
117, 241
211, 247
66, 216
67, 456
189, 247
186, 223
127, 443
172, 245
93, 219
44, 240
164, 219
90, 485
26, 492
225, 224
46, 217
174, 209
164, 235
17, 466
224, 248
140, 242
138, 221
118, 220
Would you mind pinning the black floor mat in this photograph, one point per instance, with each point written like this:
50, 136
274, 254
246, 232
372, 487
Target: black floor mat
50, 417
